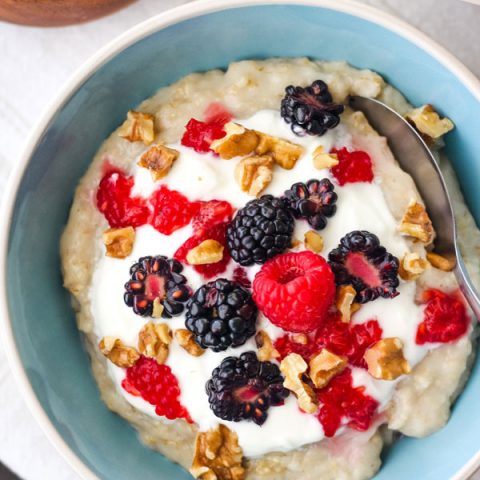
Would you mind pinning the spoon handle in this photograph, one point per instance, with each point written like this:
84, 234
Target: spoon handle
466, 286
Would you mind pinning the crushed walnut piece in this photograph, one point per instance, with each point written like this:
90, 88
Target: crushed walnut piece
254, 174
300, 338
295, 243
427, 121
412, 266
416, 223
119, 241
313, 241
322, 160
238, 142
186, 341
158, 160
209, 251
217, 455
118, 353
284, 153
265, 351
442, 263
294, 367
154, 340
385, 359
344, 301
324, 366
138, 127
158, 308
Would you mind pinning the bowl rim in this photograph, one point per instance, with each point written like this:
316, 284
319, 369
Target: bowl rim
112, 48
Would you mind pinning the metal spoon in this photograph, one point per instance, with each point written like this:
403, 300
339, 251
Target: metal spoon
417, 160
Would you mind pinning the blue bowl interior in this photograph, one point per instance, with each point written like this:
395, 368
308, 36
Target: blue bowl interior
43, 321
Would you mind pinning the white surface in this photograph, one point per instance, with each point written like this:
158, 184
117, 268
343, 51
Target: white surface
36, 62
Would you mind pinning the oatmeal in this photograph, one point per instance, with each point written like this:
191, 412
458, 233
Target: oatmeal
256, 276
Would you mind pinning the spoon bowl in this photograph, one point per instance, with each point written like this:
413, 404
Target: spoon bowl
418, 161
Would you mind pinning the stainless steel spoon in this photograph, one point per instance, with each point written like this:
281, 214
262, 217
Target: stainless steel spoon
417, 160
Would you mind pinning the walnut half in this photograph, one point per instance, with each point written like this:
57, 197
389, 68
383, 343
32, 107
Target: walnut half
254, 174
324, 366
138, 127
428, 122
158, 160
385, 359
417, 224
118, 353
154, 340
217, 455
119, 241
294, 367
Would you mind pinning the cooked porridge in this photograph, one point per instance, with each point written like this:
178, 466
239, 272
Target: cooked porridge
256, 277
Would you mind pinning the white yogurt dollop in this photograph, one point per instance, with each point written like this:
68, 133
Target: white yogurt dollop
361, 206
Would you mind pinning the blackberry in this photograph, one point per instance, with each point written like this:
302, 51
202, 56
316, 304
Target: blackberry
221, 314
260, 230
314, 201
360, 260
243, 388
159, 278
310, 110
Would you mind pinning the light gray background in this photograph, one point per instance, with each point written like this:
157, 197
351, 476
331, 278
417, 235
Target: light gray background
35, 63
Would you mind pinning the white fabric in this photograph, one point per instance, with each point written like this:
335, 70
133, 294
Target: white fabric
35, 62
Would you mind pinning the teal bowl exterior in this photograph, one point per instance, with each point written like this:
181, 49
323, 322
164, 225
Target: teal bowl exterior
43, 332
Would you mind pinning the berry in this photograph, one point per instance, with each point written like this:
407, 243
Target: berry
210, 214
114, 200
340, 399
260, 230
295, 291
445, 318
310, 110
345, 339
158, 386
221, 314
314, 201
240, 276
348, 340
157, 278
200, 135
243, 388
218, 233
360, 260
216, 112
171, 210
352, 166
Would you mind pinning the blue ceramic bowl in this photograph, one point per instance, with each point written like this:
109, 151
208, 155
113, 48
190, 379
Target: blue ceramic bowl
44, 346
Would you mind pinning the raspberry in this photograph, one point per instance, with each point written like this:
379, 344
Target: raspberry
286, 345
158, 386
347, 339
116, 203
171, 210
338, 337
295, 290
445, 318
240, 276
353, 166
216, 112
199, 135
218, 233
341, 400
210, 214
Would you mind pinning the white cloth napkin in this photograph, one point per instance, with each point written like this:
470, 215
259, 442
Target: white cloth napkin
34, 65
